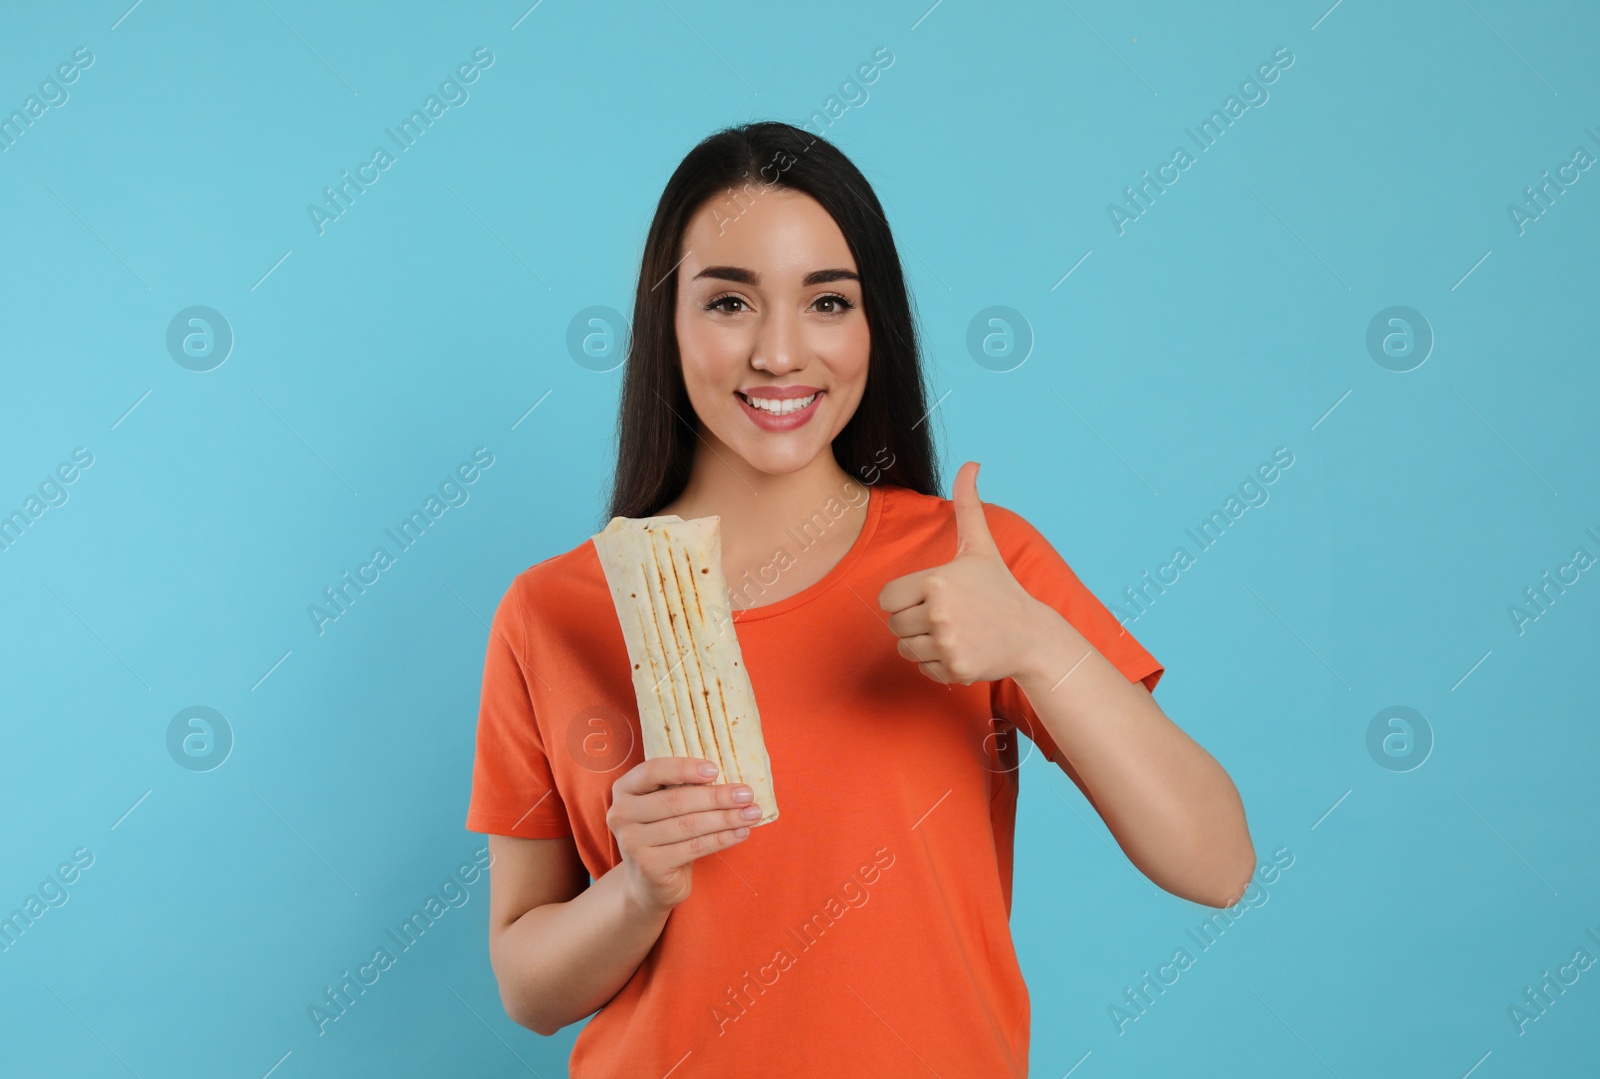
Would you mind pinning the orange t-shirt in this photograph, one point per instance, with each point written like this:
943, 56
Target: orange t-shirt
868, 927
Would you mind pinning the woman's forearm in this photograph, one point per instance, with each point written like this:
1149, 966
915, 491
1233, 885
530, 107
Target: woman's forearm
1171, 806
561, 962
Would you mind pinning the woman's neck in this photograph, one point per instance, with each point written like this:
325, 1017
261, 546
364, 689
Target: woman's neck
760, 510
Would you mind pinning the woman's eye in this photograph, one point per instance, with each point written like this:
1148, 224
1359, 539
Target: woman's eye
834, 304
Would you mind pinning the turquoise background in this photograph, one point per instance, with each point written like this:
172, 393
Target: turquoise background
369, 360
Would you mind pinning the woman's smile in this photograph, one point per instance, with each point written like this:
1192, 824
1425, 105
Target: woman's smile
779, 408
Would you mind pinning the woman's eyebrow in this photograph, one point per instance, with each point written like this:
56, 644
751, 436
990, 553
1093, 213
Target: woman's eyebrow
750, 277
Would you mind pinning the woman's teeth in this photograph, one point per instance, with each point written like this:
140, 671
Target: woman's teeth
779, 406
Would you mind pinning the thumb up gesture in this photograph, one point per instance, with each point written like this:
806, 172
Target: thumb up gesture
967, 620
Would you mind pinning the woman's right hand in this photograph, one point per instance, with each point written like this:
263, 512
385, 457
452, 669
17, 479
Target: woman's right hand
666, 813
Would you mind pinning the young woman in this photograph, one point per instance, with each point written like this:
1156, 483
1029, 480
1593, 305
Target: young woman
896, 641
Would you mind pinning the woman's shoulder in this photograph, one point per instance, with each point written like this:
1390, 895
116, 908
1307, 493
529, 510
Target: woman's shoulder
567, 582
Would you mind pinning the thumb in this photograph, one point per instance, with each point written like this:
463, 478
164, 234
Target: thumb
972, 531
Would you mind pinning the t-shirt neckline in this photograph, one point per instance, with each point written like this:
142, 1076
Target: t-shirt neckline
875, 498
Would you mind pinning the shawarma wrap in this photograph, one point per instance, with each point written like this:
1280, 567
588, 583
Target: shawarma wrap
694, 693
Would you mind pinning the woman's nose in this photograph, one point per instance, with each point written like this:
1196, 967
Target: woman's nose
778, 346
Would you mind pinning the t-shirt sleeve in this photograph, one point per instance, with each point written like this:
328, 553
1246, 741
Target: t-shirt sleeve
1045, 575
513, 790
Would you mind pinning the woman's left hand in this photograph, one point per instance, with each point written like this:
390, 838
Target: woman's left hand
967, 620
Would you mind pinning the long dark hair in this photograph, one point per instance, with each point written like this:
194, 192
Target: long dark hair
887, 439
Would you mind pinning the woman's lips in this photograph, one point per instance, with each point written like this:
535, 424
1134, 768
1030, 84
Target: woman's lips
776, 421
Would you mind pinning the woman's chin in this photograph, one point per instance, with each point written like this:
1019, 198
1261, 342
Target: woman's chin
777, 460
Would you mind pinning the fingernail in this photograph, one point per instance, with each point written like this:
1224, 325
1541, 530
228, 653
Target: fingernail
750, 812
708, 769
743, 794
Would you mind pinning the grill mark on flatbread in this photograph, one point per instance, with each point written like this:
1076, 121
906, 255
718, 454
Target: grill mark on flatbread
694, 676
720, 733
699, 668
722, 702
659, 601
737, 767
694, 588
656, 683
695, 585
656, 657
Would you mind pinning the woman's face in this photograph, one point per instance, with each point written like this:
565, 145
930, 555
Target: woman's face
770, 318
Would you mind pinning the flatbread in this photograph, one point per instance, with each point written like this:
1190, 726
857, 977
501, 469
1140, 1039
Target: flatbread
694, 693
